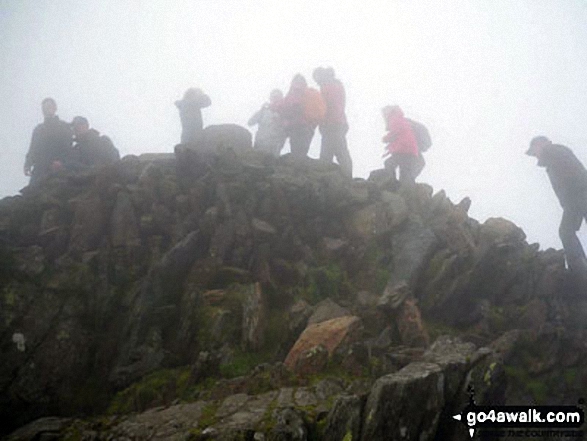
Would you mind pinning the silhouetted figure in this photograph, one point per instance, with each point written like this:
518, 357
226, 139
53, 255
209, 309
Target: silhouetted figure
334, 126
50, 144
270, 136
301, 113
90, 148
569, 181
401, 145
190, 114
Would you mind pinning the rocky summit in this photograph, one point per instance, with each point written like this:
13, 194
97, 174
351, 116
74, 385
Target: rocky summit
261, 298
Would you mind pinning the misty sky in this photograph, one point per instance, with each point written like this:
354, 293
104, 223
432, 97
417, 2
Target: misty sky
484, 76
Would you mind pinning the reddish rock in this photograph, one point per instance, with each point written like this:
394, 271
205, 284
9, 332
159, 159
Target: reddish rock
331, 334
311, 361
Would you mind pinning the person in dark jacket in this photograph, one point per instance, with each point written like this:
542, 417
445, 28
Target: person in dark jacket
190, 114
334, 127
569, 181
50, 144
90, 148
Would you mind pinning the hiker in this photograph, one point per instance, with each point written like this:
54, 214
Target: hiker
90, 148
302, 110
569, 181
334, 126
190, 114
270, 136
50, 144
401, 145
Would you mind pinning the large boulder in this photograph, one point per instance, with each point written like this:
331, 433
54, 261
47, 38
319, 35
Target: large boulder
330, 334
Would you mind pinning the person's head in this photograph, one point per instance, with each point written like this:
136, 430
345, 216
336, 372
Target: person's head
319, 75
275, 96
537, 144
299, 82
80, 125
388, 111
192, 93
48, 107
329, 73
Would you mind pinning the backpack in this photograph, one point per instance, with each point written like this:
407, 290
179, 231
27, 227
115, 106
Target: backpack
422, 135
108, 153
314, 106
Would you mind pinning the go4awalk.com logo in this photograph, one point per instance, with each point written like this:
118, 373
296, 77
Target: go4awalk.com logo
524, 421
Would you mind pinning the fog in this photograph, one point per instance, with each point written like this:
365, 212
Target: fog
483, 76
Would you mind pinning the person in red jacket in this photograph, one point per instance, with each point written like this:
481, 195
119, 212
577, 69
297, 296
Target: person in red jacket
401, 145
298, 128
334, 126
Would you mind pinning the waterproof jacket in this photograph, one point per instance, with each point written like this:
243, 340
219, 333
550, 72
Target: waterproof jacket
292, 108
51, 141
190, 114
271, 130
567, 175
400, 137
92, 149
334, 96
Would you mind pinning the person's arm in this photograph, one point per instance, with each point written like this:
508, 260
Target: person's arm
32, 153
256, 118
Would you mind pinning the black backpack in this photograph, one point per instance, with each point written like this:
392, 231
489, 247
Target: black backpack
422, 135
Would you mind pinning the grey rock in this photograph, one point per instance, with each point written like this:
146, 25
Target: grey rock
405, 405
325, 310
344, 419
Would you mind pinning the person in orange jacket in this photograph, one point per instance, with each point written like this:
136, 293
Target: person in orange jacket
298, 128
401, 145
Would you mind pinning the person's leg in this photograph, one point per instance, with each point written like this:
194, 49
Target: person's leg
327, 146
296, 142
307, 135
391, 164
419, 165
570, 224
406, 170
343, 157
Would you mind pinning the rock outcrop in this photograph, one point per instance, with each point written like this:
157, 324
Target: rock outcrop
178, 294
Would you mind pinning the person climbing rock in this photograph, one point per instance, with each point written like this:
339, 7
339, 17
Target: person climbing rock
50, 144
569, 181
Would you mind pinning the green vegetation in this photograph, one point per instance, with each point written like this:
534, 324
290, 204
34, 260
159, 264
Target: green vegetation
241, 363
326, 281
159, 388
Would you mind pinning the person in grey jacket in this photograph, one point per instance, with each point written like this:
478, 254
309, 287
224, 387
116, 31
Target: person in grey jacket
569, 182
270, 136
190, 114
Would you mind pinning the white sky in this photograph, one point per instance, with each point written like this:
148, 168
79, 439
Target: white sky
485, 76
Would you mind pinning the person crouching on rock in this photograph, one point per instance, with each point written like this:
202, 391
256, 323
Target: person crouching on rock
401, 145
190, 114
270, 136
91, 149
